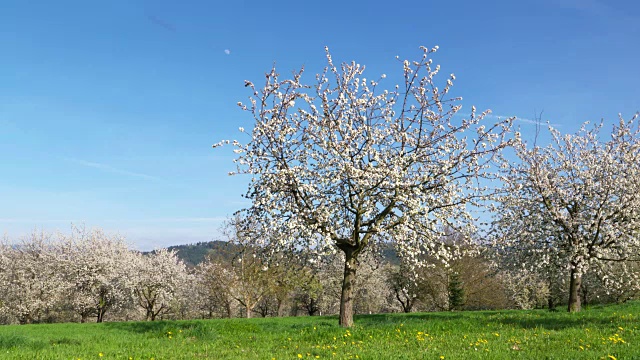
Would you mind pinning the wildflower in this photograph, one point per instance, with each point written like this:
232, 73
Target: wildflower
100, 354
299, 356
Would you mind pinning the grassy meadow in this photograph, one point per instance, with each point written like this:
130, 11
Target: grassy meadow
600, 332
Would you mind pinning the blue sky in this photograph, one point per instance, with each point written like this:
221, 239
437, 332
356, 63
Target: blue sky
108, 109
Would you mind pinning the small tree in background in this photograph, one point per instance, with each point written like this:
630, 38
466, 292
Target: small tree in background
404, 286
159, 279
339, 164
29, 283
455, 291
97, 270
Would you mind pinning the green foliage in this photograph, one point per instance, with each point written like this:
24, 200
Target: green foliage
595, 333
456, 291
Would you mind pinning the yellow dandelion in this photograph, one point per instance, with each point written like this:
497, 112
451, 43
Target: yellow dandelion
611, 357
100, 354
299, 356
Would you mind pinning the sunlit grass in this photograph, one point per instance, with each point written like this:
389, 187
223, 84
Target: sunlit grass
597, 333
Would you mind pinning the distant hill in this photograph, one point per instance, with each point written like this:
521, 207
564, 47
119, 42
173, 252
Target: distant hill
194, 254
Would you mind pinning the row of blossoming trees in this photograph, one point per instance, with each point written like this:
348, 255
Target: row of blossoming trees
339, 164
91, 276
86, 274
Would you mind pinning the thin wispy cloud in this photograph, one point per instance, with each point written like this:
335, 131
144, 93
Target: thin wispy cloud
213, 219
159, 22
31, 221
227, 51
111, 169
523, 120
517, 118
594, 7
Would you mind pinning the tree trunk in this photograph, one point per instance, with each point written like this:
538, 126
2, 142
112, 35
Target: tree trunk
574, 289
281, 307
346, 299
248, 311
100, 316
407, 308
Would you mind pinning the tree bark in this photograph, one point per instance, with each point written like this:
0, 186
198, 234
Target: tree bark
550, 300
346, 299
100, 315
280, 310
574, 289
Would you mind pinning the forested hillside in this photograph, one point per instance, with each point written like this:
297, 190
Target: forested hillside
194, 254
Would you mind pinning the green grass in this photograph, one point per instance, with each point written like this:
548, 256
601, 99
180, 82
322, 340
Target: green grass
595, 333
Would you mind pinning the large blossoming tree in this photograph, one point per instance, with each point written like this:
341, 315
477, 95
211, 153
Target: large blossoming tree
575, 206
339, 164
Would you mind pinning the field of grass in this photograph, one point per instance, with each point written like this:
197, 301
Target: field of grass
609, 332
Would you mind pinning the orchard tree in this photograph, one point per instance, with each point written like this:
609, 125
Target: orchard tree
576, 203
159, 279
253, 279
404, 286
97, 269
214, 283
340, 164
29, 283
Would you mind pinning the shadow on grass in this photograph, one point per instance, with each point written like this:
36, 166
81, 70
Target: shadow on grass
159, 329
514, 318
16, 341
391, 318
556, 322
